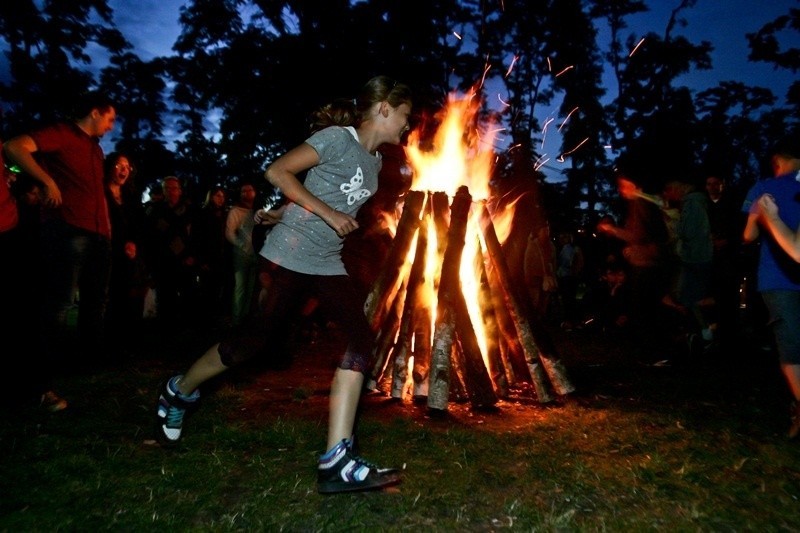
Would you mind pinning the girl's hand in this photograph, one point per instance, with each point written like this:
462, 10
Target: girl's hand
341, 223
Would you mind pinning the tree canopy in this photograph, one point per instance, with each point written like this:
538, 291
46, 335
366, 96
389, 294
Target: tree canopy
243, 76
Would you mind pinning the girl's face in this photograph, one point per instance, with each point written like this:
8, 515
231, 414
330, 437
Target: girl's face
122, 171
397, 121
218, 198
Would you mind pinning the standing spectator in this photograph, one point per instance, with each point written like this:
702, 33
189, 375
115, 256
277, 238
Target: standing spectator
727, 224
76, 232
539, 266
302, 252
569, 271
168, 226
213, 256
128, 274
239, 232
778, 271
694, 250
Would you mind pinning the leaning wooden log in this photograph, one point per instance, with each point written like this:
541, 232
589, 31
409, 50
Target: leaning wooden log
387, 337
400, 365
389, 280
422, 352
500, 269
479, 384
491, 329
420, 319
512, 350
440, 209
444, 332
553, 367
458, 384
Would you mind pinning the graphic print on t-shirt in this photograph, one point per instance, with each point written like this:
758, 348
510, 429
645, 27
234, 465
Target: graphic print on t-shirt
353, 189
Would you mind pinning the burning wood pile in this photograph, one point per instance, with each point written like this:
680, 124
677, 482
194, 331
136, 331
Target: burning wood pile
443, 304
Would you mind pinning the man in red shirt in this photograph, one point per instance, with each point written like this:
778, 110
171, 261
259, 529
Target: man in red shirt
68, 161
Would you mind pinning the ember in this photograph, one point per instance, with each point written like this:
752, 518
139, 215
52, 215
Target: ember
442, 305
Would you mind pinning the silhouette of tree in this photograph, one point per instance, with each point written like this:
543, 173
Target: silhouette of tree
585, 128
48, 56
245, 74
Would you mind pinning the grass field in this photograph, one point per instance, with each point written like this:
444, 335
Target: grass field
640, 447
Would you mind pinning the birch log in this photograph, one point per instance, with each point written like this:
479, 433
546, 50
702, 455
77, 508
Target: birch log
379, 299
491, 329
523, 330
444, 332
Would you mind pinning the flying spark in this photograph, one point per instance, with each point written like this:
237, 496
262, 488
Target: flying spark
511, 66
544, 130
561, 157
567, 118
564, 70
485, 71
540, 162
636, 47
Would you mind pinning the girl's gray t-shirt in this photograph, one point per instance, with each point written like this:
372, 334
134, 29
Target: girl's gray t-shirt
346, 176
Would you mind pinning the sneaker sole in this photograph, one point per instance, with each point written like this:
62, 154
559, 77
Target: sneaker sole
338, 487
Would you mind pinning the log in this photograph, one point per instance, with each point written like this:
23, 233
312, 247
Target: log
500, 269
400, 365
458, 387
414, 305
394, 269
441, 219
511, 347
420, 321
437, 209
491, 328
553, 367
478, 383
449, 286
387, 337
439, 378
422, 352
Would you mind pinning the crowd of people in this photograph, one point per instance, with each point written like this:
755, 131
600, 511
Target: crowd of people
93, 257
667, 276
691, 273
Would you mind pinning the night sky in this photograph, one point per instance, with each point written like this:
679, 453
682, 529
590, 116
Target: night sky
152, 27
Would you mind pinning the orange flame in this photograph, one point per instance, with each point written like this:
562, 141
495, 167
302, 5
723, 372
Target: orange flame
460, 154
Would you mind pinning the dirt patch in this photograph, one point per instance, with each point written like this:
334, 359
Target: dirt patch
302, 391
